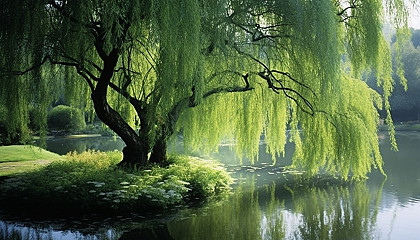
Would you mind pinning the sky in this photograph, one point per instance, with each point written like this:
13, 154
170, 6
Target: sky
414, 17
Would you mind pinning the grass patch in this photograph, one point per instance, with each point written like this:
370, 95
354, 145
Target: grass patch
8, 169
19, 153
21, 158
91, 182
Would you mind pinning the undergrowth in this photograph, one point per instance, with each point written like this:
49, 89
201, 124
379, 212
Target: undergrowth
91, 181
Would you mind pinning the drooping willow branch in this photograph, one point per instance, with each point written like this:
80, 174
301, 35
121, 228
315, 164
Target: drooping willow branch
60, 8
286, 90
257, 31
225, 90
189, 102
23, 72
87, 75
268, 75
344, 13
290, 77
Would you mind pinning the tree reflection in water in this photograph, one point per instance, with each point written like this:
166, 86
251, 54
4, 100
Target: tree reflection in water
299, 211
237, 218
336, 212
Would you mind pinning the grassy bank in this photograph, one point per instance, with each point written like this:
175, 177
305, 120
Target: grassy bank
91, 182
20, 153
21, 158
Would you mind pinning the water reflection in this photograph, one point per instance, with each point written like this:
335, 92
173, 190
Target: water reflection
403, 168
238, 218
15, 231
292, 209
286, 212
399, 213
336, 212
269, 203
158, 233
63, 145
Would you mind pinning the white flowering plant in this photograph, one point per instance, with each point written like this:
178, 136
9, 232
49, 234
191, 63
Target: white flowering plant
91, 181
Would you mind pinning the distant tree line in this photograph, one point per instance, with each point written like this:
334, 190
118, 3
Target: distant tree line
405, 103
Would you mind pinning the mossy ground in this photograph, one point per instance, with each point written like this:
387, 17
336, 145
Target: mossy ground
91, 182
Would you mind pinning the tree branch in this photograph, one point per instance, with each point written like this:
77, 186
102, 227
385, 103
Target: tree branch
20, 73
79, 67
60, 9
94, 65
353, 5
137, 104
88, 76
91, 86
189, 102
288, 75
268, 74
258, 32
225, 90
286, 91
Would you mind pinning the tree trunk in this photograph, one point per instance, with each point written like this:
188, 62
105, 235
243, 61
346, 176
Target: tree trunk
159, 151
133, 156
136, 150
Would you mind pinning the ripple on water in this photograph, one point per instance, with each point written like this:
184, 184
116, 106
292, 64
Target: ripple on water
399, 220
414, 200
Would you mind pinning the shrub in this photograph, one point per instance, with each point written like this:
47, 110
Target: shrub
90, 181
65, 118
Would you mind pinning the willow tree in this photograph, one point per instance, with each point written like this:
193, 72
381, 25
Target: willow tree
211, 70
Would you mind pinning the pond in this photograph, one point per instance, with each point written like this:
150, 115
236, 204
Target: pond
81, 143
267, 202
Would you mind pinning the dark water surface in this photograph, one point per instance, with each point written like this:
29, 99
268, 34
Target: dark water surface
63, 145
267, 202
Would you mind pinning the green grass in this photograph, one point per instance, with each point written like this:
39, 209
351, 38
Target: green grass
12, 168
91, 182
21, 158
19, 153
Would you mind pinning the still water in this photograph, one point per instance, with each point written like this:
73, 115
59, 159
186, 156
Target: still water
267, 203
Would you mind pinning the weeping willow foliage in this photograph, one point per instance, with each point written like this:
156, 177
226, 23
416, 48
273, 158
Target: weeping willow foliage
340, 136
212, 70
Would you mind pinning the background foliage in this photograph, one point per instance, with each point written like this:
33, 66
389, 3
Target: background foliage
65, 118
